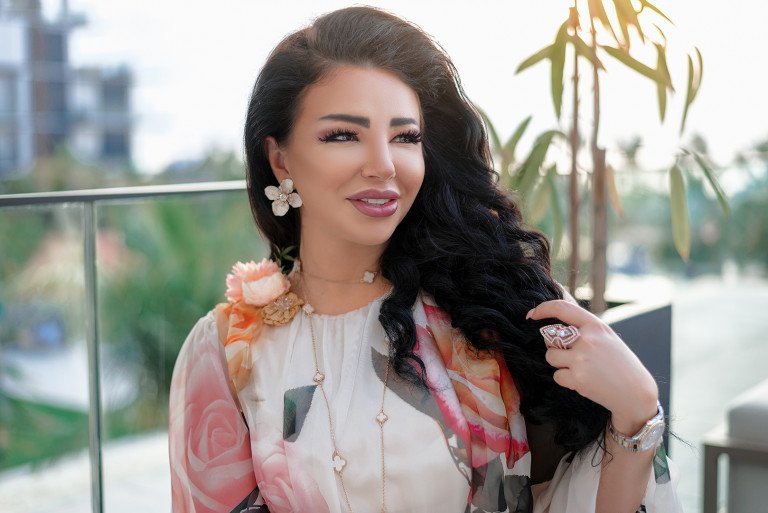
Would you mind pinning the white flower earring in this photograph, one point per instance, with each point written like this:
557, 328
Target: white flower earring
282, 197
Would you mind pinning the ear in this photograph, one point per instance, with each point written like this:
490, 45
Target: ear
276, 157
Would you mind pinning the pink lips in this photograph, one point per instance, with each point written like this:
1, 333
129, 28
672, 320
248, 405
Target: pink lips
371, 210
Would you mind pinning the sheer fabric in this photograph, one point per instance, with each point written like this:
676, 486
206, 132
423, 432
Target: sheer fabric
249, 430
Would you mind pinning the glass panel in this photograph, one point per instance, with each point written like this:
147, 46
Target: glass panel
161, 266
43, 360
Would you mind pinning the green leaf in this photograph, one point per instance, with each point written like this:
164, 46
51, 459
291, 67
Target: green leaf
661, 66
627, 16
649, 5
712, 179
661, 90
586, 51
534, 59
538, 201
597, 11
694, 83
508, 150
661, 93
529, 171
629, 61
495, 141
557, 58
681, 230
558, 222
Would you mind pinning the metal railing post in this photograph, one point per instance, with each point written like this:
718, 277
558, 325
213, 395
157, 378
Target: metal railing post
92, 341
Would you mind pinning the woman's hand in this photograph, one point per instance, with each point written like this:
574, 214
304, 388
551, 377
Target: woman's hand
600, 366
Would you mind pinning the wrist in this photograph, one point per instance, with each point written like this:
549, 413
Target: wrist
631, 421
648, 435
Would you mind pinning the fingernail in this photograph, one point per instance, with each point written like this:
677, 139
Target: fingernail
528, 315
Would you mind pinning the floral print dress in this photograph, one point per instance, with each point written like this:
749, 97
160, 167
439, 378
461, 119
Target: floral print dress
249, 429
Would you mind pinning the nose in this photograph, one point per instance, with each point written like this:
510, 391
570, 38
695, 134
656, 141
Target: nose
379, 163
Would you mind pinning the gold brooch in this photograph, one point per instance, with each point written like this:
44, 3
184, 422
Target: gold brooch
281, 310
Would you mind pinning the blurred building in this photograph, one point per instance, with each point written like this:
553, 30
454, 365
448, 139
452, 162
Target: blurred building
45, 102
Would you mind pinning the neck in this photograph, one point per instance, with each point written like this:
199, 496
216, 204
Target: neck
331, 274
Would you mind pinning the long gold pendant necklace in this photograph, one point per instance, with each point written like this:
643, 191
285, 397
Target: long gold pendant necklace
338, 462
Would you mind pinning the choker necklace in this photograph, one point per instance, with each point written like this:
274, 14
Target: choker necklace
337, 461
368, 276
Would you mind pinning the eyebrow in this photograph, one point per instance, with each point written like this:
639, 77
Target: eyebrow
365, 122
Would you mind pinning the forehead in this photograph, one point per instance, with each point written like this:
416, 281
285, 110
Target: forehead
371, 92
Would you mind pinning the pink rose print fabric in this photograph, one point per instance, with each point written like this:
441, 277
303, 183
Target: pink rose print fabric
283, 483
475, 392
210, 453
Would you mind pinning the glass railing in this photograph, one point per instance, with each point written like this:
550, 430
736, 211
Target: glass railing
98, 290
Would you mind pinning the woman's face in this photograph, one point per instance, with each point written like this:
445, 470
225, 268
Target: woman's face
354, 154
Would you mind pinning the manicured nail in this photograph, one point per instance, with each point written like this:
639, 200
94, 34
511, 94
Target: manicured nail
528, 315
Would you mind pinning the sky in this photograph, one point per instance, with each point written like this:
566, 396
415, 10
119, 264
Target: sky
194, 64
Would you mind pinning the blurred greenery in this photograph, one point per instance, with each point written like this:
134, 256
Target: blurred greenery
176, 257
162, 265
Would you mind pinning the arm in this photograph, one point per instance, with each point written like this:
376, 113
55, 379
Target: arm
624, 475
209, 446
601, 367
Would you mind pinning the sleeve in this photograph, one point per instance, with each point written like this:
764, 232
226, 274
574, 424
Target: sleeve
209, 445
573, 488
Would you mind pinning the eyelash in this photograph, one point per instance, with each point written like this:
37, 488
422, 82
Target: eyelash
412, 136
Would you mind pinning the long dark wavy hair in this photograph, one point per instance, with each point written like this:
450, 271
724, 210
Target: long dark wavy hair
463, 241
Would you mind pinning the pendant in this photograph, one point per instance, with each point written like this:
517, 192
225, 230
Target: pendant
338, 462
381, 418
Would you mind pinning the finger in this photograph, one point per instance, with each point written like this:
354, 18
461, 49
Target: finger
561, 309
560, 358
564, 378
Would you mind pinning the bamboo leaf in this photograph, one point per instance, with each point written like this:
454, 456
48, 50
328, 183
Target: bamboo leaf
694, 83
661, 66
534, 59
557, 58
712, 179
661, 93
597, 11
586, 51
508, 150
529, 171
661, 90
681, 230
539, 201
494, 136
558, 222
627, 16
613, 191
629, 61
649, 5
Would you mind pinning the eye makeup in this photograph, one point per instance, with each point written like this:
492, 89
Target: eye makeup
412, 136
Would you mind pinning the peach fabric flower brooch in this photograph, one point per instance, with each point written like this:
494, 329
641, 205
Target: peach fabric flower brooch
263, 286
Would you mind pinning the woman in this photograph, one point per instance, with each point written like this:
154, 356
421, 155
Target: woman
395, 361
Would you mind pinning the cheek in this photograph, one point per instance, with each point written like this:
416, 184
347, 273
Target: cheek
413, 175
319, 174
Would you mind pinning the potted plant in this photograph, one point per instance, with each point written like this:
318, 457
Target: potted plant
593, 31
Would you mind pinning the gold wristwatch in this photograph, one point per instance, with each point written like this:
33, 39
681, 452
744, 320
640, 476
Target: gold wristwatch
649, 437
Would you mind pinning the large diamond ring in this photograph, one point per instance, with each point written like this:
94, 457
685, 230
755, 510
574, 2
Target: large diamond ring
559, 336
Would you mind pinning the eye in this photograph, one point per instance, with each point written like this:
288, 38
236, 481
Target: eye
339, 135
412, 136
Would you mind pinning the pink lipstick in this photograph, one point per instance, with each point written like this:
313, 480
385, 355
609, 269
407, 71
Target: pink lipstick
375, 203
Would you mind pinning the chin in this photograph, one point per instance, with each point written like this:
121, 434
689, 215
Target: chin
374, 237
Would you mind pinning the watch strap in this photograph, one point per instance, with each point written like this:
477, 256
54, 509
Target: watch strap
640, 441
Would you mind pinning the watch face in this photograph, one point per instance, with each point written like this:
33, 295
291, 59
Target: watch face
652, 437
